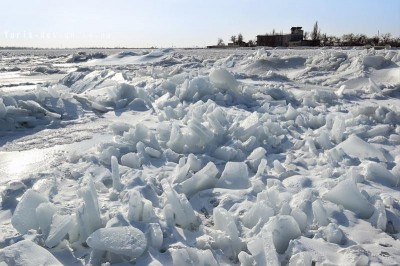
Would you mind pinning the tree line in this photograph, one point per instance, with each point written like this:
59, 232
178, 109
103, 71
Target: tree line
237, 40
349, 39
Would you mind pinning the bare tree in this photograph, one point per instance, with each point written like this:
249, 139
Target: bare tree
361, 39
305, 35
374, 40
324, 38
240, 38
220, 42
386, 38
233, 39
316, 33
273, 32
348, 39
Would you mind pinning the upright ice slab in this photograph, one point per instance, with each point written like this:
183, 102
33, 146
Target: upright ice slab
224, 222
88, 214
117, 185
182, 212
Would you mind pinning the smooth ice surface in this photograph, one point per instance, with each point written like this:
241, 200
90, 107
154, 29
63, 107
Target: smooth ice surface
126, 240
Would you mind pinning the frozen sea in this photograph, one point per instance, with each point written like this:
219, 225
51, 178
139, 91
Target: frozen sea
200, 157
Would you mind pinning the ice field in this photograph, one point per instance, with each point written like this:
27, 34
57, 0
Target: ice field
200, 157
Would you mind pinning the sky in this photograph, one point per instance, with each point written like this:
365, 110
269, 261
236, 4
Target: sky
183, 23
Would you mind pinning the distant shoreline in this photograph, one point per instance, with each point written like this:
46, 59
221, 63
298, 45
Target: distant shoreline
200, 48
97, 48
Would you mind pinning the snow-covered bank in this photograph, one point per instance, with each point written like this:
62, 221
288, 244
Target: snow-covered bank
248, 158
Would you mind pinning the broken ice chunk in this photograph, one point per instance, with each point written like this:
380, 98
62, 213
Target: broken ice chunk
153, 152
171, 156
300, 217
135, 206
347, 194
131, 160
44, 215
225, 153
155, 236
338, 129
259, 211
194, 162
234, 176
261, 167
333, 234
263, 249
203, 179
140, 209
27, 253
320, 214
179, 207
324, 140
284, 228
249, 127
356, 147
115, 174
378, 173
379, 218
224, 80
291, 113
224, 222
88, 214
125, 240
278, 167
255, 157
193, 256
59, 228
301, 259
373, 87
24, 217
181, 171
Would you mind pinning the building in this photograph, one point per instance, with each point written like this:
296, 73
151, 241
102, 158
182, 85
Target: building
295, 38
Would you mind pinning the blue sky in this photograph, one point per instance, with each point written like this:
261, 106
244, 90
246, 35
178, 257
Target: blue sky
183, 23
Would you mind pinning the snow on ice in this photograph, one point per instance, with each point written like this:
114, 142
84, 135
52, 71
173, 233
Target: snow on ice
202, 157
